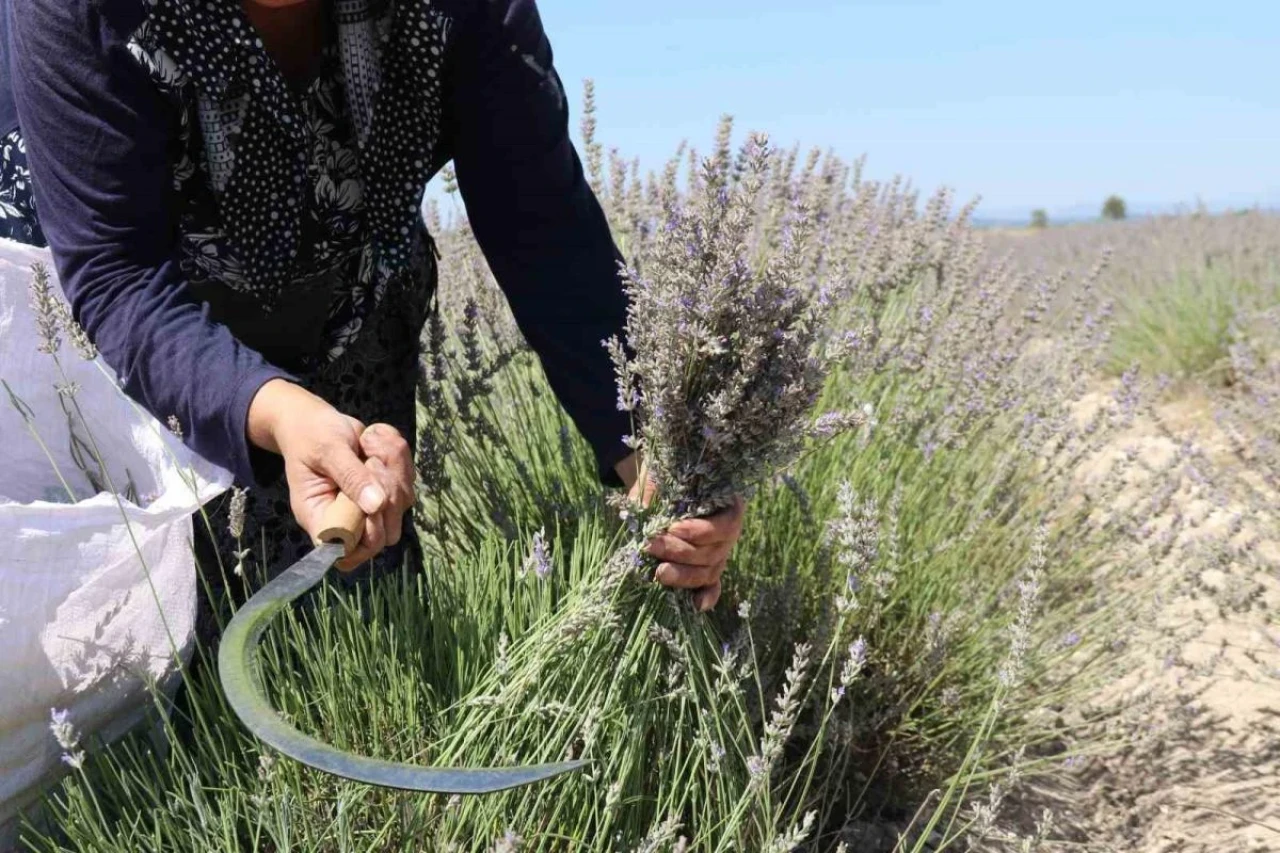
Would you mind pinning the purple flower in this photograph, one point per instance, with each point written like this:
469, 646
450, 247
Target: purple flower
626, 399
858, 651
832, 423
539, 556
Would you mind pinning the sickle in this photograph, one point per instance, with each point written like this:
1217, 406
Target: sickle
241, 676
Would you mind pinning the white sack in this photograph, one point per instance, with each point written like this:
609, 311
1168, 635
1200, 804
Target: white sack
80, 629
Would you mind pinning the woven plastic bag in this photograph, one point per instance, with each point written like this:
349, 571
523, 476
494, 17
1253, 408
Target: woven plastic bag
97, 590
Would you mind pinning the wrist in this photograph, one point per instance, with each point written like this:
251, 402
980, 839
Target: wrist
268, 409
628, 470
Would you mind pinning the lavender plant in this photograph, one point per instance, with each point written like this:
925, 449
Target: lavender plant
923, 602
724, 357
722, 364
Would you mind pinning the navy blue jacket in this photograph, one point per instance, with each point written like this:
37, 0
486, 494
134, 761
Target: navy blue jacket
8, 109
96, 132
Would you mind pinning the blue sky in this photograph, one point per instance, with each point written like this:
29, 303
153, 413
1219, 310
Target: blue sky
1049, 105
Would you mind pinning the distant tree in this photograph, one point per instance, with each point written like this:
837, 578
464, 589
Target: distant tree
1039, 218
1113, 208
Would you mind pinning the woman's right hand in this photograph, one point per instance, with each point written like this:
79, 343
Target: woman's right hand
326, 452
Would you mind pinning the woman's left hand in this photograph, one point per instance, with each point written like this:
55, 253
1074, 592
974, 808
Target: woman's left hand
694, 551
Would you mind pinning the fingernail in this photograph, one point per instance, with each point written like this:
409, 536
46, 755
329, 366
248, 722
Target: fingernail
660, 573
371, 499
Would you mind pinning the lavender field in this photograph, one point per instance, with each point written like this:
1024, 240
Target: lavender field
1009, 579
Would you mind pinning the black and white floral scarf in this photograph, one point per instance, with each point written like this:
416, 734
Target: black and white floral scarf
18, 219
257, 140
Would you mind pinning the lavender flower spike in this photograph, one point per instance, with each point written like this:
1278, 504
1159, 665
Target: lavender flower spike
539, 560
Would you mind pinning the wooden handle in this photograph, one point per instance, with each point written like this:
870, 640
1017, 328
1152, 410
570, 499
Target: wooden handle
342, 522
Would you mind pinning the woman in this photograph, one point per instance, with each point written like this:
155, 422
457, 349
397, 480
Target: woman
231, 191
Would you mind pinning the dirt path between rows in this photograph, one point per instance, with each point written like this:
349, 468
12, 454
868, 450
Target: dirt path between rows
1202, 771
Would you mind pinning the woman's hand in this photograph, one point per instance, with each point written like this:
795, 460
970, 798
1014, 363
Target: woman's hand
325, 452
695, 551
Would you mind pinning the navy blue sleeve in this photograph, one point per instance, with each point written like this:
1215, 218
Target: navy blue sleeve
98, 141
8, 110
534, 215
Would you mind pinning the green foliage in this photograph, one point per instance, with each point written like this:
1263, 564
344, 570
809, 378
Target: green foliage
905, 605
1113, 208
1183, 327
1039, 218
420, 668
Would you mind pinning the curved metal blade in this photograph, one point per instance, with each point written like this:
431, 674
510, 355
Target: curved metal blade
241, 676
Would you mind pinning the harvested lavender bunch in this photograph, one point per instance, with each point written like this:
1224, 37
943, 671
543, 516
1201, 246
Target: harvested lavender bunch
726, 342
727, 349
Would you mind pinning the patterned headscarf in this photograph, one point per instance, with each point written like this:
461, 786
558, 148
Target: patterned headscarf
391, 52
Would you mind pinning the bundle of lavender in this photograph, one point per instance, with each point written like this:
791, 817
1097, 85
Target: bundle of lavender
724, 355
727, 350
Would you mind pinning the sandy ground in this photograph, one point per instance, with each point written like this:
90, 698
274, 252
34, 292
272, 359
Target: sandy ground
1202, 709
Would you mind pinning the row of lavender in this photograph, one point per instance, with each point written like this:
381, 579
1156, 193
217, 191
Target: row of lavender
925, 600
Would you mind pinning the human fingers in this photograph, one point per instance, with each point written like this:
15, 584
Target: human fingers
724, 526
706, 598
312, 469
341, 462
682, 576
385, 442
393, 514
370, 545
666, 546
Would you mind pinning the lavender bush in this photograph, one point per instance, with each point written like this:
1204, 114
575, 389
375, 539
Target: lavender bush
723, 361
925, 599
1185, 287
